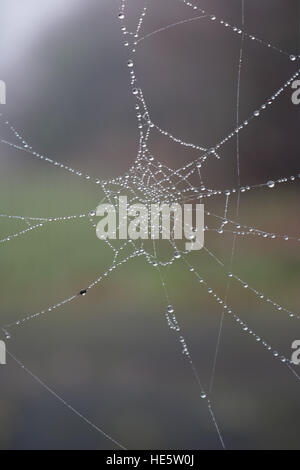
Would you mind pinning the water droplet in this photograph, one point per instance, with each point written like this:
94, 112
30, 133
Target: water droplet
271, 184
256, 113
130, 63
82, 292
203, 395
121, 16
170, 308
293, 58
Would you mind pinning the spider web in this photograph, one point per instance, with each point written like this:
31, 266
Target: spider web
150, 180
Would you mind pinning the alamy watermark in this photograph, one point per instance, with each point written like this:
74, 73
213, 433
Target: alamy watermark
296, 93
155, 221
296, 354
2, 92
2, 353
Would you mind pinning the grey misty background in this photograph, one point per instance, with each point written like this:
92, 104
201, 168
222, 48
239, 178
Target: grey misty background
111, 355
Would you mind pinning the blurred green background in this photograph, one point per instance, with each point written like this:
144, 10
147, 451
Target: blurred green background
110, 354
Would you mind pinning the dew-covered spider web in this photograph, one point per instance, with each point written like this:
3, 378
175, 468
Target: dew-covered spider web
151, 180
